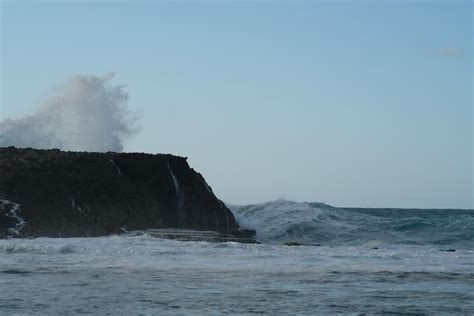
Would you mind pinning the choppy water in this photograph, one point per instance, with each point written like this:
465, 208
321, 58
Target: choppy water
316, 223
145, 275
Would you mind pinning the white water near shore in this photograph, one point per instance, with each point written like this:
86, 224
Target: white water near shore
147, 275
353, 261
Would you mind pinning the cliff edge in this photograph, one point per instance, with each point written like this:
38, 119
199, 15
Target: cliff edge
67, 194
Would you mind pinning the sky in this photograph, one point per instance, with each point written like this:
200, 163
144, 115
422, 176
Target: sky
350, 103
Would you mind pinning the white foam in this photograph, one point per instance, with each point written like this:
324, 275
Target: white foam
73, 272
146, 251
13, 212
283, 220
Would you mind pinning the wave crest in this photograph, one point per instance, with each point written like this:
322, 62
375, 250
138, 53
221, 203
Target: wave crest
317, 223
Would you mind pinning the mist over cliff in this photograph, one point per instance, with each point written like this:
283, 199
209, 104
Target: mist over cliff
86, 113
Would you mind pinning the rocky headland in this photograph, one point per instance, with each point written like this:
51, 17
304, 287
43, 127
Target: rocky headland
78, 194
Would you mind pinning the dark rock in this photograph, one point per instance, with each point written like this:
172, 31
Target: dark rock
55, 193
292, 243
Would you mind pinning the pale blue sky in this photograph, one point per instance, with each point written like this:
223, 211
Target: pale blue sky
363, 103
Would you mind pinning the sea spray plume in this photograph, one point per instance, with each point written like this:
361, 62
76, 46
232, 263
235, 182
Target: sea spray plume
84, 114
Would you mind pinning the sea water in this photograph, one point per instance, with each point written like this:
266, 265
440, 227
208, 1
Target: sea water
352, 261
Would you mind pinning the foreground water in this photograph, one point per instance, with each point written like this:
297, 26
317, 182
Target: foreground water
360, 270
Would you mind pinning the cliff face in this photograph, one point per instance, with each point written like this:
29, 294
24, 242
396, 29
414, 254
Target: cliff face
55, 193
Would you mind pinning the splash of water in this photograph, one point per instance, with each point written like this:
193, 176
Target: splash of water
84, 114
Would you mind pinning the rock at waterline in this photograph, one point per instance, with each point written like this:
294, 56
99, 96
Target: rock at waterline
55, 193
292, 243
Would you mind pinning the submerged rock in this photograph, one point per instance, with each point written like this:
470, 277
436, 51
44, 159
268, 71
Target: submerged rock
292, 243
194, 235
65, 194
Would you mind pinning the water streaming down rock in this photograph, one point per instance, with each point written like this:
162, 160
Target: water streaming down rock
12, 210
119, 172
179, 196
85, 194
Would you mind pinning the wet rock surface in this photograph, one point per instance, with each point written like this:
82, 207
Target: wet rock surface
195, 235
65, 194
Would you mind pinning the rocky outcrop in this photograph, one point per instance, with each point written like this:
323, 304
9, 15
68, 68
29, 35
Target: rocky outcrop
55, 193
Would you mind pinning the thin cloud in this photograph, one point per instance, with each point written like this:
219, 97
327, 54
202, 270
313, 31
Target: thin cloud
449, 51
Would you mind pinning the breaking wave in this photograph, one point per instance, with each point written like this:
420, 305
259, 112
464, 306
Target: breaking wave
316, 223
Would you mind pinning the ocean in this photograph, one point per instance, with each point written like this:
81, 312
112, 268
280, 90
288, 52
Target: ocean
351, 261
